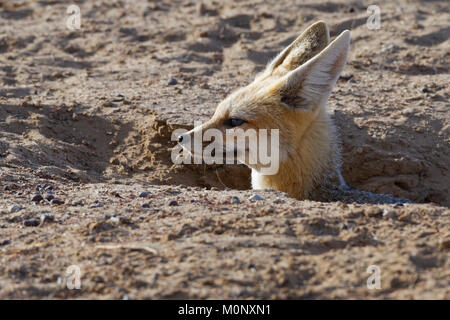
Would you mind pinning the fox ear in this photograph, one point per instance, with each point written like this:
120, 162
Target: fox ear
312, 82
307, 45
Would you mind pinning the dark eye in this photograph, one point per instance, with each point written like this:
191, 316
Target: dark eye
234, 122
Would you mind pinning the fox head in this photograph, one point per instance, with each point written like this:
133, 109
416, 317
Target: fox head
289, 95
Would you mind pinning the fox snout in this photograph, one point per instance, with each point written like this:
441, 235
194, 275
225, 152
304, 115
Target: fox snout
196, 140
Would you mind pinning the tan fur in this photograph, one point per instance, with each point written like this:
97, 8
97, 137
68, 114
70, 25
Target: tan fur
291, 95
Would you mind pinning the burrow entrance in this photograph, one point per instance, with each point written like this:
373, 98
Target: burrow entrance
73, 143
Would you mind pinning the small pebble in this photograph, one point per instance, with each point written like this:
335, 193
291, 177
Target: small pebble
444, 243
388, 213
47, 218
345, 77
173, 203
32, 222
37, 198
118, 97
15, 208
144, 194
124, 220
235, 199
388, 47
146, 205
172, 82
56, 201
424, 89
373, 212
114, 219
169, 237
5, 242
256, 197
49, 197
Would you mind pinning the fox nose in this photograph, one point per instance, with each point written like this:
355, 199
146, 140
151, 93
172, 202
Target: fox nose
180, 138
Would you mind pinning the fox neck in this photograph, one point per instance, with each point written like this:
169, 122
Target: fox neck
314, 160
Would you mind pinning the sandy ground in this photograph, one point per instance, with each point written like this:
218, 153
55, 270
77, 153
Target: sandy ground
85, 128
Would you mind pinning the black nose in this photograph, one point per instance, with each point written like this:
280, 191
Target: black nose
180, 138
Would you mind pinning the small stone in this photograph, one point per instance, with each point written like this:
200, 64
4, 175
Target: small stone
56, 201
388, 47
117, 195
146, 205
172, 82
125, 221
15, 208
256, 197
37, 198
346, 77
388, 213
424, 89
17, 218
373, 212
173, 203
95, 205
405, 217
445, 243
49, 197
235, 200
118, 97
168, 237
4, 242
32, 222
114, 219
144, 194
47, 218
100, 226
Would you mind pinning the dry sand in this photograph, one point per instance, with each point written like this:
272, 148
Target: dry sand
65, 133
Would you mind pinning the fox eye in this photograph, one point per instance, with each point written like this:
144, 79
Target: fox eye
234, 122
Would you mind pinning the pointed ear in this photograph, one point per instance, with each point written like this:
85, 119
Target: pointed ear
308, 85
307, 45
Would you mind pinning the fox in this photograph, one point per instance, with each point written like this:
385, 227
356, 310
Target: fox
291, 95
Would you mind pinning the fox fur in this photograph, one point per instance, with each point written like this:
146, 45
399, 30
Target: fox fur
291, 95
